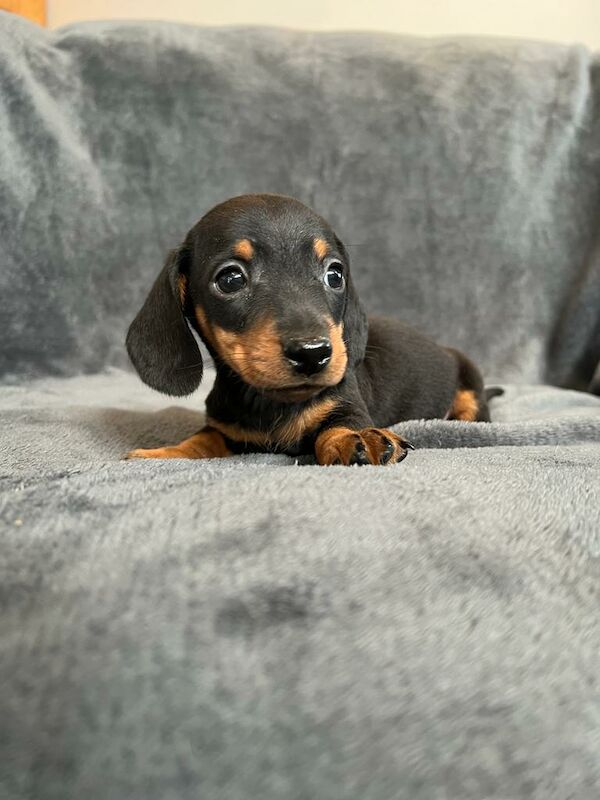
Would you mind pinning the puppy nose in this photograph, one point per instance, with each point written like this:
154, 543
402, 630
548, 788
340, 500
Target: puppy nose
308, 356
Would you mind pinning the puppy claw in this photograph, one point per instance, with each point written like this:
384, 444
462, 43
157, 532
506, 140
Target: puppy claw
387, 453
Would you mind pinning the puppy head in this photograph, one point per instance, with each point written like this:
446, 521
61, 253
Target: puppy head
266, 283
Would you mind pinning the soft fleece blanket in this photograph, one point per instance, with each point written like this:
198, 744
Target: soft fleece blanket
257, 627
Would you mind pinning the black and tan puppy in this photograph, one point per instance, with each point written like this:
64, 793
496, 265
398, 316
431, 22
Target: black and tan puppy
266, 284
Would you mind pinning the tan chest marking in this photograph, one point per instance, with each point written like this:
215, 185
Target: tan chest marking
285, 434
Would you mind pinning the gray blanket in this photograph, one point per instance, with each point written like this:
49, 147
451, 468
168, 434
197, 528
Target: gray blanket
258, 627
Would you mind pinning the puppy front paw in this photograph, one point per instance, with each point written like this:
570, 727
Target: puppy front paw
208, 443
158, 452
365, 446
385, 447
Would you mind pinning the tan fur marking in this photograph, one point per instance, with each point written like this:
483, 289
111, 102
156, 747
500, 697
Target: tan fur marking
202, 321
335, 444
208, 443
339, 357
306, 422
321, 248
283, 435
464, 406
236, 433
244, 249
182, 286
256, 354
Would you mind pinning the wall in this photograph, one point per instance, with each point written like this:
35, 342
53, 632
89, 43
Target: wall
554, 20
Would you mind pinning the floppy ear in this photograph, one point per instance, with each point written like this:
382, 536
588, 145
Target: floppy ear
355, 320
159, 342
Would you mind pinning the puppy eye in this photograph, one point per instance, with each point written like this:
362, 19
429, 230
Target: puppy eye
231, 279
334, 276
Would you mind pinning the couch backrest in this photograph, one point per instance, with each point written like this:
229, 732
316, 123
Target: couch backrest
463, 174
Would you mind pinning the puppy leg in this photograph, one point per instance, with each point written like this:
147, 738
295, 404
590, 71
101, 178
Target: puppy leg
469, 403
207, 443
349, 437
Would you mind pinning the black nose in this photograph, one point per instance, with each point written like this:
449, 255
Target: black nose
308, 356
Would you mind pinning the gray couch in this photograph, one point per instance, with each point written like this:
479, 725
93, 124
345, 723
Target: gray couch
259, 627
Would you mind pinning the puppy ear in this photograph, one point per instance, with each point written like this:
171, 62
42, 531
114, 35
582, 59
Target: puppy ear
356, 327
159, 342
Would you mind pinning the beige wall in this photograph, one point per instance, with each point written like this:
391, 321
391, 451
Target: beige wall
555, 20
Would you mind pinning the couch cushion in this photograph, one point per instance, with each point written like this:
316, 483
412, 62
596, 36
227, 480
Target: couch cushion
257, 628
463, 174
58, 423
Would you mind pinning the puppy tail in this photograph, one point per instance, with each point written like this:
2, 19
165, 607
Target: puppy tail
493, 391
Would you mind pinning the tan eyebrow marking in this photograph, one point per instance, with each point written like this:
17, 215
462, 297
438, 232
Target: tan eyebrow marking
321, 248
243, 249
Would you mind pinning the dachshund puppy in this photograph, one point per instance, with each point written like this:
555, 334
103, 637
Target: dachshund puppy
265, 282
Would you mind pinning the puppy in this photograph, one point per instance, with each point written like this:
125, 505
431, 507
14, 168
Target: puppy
266, 284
